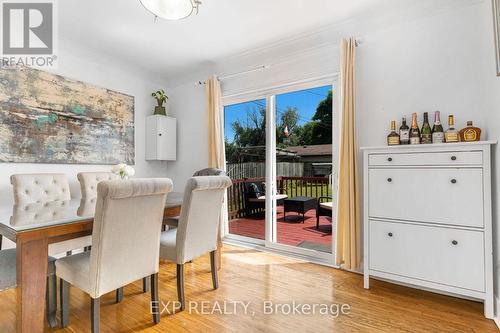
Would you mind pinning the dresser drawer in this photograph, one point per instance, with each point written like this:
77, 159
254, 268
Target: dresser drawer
440, 255
437, 158
443, 196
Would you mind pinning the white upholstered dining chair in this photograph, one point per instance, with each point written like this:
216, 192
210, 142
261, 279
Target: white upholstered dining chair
198, 227
88, 187
89, 180
174, 221
125, 243
46, 187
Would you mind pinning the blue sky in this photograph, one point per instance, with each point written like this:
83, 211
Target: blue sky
305, 101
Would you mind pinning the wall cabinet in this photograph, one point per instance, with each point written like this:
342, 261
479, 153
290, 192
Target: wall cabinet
427, 218
161, 138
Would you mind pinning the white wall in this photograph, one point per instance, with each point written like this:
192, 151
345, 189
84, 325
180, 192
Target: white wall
444, 61
86, 66
187, 105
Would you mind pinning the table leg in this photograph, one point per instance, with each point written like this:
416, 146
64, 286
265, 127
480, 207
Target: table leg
31, 270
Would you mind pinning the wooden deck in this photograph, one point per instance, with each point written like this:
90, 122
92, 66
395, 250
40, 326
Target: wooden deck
290, 231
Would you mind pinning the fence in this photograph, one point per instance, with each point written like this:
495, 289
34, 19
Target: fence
291, 186
258, 169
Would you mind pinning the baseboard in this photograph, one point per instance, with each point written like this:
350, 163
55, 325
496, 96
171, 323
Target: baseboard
497, 315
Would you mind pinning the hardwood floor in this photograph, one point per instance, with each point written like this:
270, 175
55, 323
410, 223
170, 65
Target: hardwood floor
252, 276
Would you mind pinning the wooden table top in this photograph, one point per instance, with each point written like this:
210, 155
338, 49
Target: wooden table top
15, 219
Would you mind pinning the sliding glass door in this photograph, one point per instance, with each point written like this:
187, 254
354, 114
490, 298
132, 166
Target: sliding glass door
245, 142
281, 155
303, 167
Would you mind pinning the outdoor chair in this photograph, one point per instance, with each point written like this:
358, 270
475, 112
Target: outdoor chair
324, 208
255, 197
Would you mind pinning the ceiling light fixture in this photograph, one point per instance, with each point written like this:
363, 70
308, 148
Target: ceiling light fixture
171, 9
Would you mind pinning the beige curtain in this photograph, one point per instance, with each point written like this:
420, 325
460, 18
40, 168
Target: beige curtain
216, 153
348, 247
215, 124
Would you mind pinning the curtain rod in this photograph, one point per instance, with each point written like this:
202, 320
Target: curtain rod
357, 43
227, 76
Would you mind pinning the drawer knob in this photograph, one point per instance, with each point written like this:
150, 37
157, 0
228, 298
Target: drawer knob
389, 159
453, 158
454, 242
389, 180
453, 181
389, 234
159, 134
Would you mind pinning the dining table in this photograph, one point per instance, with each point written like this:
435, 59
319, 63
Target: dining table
36, 225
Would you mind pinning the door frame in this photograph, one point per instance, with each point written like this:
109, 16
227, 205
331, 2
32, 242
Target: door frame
269, 94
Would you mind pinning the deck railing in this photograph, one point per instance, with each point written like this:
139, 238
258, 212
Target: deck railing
292, 186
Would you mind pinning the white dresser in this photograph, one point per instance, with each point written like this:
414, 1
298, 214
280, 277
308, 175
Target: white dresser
427, 218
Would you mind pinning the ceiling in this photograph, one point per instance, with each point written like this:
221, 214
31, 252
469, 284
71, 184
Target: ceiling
124, 30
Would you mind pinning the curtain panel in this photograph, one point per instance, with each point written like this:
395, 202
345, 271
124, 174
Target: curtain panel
348, 246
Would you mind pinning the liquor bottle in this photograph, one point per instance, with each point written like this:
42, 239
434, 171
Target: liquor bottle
437, 129
404, 133
393, 137
470, 133
426, 132
414, 131
451, 135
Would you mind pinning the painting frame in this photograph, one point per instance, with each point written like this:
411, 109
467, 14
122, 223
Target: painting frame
91, 124
496, 25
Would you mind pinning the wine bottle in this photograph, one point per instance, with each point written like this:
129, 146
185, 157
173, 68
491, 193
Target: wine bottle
451, 134
414, 131
404, 133
437, 129
426, 132
393, 137
470, 133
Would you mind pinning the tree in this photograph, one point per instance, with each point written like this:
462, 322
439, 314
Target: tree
253, 132
288, 119
321, 131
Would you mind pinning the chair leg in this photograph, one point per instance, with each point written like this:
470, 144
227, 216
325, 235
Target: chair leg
119, 295
95, 314
64, 298
213, 266
180, 285
155, 306
51, 299
145, 285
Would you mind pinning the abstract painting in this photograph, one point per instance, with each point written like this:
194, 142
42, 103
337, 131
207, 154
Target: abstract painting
47, 118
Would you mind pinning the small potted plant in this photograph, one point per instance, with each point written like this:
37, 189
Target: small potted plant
161, 98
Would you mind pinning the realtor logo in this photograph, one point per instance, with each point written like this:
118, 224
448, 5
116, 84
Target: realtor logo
27, 28
28, 33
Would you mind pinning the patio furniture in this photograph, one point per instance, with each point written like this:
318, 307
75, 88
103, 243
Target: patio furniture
255, 197
300, 205
323, 208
